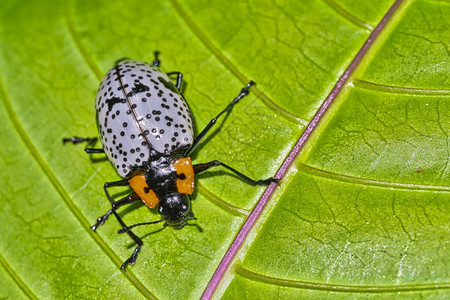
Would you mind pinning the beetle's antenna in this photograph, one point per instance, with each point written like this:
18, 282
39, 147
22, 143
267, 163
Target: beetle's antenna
193, 224
128, 228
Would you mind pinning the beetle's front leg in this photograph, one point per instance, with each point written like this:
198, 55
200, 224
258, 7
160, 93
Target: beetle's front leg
133, 197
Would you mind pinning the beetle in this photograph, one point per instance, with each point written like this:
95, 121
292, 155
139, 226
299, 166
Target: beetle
147, 132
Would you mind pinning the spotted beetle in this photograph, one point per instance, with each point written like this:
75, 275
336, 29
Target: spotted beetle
146, 129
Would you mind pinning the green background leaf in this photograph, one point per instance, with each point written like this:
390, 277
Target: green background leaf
362, 212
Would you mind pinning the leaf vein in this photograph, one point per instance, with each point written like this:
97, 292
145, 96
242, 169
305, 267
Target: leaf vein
341, 11
49, 175
398, 89
16, 278
338, 288
79, 45
241, 237
372, 182
221, 203
62, 192
229, 65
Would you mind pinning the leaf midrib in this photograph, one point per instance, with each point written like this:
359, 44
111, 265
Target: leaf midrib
343, 81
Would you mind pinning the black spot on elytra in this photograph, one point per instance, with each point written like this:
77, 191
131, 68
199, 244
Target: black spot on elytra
112, 101
138, 88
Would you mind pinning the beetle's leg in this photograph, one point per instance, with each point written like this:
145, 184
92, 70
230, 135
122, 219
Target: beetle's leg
156, 61
107, 185
120, 60
114, 204
244, 92
91, 142
132, 259
179, 80
205, 166
133, 197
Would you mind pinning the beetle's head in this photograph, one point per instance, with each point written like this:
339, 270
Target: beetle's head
175, 208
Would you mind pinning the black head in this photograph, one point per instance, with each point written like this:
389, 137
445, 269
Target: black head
175, 208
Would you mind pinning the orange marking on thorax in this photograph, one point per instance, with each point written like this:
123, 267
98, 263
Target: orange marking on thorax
141, 188
185, 172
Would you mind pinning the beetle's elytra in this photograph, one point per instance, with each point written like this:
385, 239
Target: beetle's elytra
147, 132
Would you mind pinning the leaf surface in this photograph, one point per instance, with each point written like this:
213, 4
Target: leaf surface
362, 211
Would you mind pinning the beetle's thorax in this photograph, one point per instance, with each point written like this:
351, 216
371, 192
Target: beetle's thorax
161, 176
170, 180
166, 183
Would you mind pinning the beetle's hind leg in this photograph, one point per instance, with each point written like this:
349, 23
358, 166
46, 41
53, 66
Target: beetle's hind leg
90, 141
199, 168
120, 60
244, 92
156, 61
179, 80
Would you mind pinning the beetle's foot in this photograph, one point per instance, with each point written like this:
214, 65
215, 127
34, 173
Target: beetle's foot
77, 140
132, 259
268, 181
101, 220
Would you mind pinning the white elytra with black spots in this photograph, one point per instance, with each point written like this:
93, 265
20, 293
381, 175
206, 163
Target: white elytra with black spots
140, 111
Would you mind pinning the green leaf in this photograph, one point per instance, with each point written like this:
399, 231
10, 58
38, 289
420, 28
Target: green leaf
362, 211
